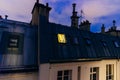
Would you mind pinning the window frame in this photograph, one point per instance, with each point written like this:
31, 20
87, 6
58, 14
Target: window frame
110, 72
64, 74
94, 73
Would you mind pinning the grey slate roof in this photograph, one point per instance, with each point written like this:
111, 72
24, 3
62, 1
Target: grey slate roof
93, 46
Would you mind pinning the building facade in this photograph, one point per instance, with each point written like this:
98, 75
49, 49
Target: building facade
75, 53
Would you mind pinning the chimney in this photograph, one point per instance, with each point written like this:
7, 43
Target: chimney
103, 29
85, 25
1, 17
74, 17
6, 17
74, 5
37, 1
40, 11
113, 28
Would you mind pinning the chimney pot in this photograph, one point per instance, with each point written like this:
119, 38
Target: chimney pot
6, 16
47, 4
0, 17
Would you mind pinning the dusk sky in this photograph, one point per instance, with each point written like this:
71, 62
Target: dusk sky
98, 12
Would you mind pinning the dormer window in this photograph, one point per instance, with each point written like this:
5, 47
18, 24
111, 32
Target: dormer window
88, 41
104, 43
61, 38
116, 44
75, 40
13, 41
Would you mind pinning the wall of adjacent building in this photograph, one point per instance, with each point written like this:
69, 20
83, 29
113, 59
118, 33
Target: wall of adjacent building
19, 76
49, 71
27, 53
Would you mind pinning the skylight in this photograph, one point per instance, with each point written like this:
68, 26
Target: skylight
88, 41
104, 43
75, 40
116, 44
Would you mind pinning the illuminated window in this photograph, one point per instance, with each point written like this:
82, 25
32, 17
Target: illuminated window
94, 73
109, 72
61, 38
64, 75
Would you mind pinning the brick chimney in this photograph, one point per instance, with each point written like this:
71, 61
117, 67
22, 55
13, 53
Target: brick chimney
85, 25
103, 28
40, 10
74, 17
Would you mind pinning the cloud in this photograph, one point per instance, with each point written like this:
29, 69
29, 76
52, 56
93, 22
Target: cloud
13, 8
97, 8
96, 11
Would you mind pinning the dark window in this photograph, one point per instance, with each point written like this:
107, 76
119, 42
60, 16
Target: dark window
13, 41
79, 73
88, 41
104, 43
116, 44
75, 40
105, 48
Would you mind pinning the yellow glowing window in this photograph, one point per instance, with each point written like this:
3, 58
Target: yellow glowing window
61, 38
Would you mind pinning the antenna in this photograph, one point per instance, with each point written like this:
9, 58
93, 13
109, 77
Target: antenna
81, 15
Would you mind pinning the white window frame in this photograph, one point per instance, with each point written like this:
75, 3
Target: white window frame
110, 72
96, 73
63, 75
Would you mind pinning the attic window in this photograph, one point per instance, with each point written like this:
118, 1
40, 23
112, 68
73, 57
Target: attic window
116, 44
88, 41
75, 40
61, 38
104, 43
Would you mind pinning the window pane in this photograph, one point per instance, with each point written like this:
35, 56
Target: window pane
104, 44
66, 78
75, 40
90, 76
116, 44
110, 77
59, 73
94, 73
94, 69
59, 78
66, 72
90, 69
61, 38
94, 76
88, 41
110, 69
